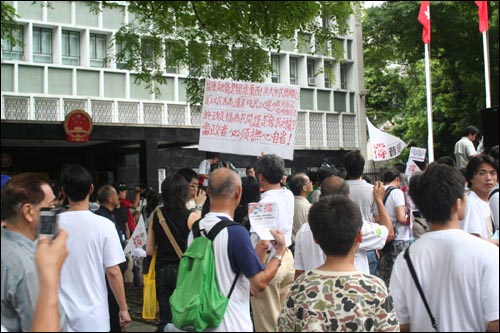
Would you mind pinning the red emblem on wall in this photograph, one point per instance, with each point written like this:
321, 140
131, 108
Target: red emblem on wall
78, 126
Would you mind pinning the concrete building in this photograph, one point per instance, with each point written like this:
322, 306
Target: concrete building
64, 64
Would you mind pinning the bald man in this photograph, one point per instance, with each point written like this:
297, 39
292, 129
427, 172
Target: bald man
234, 253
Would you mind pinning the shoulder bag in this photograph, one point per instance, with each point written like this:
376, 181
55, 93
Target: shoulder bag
420, 291
171, 237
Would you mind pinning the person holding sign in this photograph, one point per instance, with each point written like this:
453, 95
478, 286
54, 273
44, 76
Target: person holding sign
234, 252
267, 305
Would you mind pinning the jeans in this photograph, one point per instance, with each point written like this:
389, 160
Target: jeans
372, 261
166, 280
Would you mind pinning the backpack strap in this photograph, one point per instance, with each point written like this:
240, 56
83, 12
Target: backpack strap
387, 192
224, 222
196, 228
492, 193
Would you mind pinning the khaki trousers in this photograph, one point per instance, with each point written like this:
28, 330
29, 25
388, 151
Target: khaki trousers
267, 305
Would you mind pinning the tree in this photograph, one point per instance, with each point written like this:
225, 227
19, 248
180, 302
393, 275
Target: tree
9, 23
395, 74
219, 39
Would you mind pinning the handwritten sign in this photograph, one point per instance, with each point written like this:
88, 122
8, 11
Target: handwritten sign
384, 145
262, 218
417, 154
249, 118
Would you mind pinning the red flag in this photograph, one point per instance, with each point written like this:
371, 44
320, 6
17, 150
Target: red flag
424, 17
483, 15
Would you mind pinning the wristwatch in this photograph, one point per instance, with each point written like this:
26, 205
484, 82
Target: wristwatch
280, 258
199, 207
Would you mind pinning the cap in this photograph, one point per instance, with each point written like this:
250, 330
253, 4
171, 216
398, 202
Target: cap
5, 179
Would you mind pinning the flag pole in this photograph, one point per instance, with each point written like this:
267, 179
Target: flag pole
430, 140
487, 68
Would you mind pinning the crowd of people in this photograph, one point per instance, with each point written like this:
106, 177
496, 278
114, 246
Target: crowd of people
339, 260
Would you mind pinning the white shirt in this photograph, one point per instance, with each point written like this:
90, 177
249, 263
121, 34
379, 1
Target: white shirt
93, 245
396, 199
477, 219
458, 273
464, 149
204, 168
308, 254
284, 212
493, 201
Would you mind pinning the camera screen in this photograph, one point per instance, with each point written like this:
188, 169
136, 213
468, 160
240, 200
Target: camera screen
48, 224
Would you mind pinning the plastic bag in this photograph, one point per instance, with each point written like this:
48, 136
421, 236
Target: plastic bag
150, 302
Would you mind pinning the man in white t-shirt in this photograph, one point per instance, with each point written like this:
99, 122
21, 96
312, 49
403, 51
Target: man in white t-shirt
205, 166
395, 204
267, 305
458, 272
482, 177
95, 251
308, 254
372, 210
464, 148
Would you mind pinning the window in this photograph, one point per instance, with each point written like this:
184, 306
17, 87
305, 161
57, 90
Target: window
123, 51
343, 76
275, 63
42, 45
16, 51
338, 48
97, 50
311, 81
70, 48
171, 50
293, 71
148, 53
328, 74
349, 49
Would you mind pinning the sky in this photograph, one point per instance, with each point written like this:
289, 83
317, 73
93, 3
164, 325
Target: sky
369, 4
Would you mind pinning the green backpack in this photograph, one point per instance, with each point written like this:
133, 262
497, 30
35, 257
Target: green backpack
196, 302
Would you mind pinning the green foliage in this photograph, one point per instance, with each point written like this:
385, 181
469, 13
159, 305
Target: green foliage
9, 23
392, 36
221, 39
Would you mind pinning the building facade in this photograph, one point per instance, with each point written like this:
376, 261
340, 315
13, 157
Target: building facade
65, 63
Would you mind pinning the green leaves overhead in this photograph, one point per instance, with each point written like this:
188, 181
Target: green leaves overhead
223, 39
395, 72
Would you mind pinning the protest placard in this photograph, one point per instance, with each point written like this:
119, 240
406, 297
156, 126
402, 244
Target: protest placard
262, 217
247, 118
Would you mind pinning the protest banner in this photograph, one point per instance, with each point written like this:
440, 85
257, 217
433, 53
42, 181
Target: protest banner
384, 146
247, 118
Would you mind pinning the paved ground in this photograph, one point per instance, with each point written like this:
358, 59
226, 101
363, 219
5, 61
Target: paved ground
134, 301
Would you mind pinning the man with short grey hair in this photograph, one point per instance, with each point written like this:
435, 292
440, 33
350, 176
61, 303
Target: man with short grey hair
267, 305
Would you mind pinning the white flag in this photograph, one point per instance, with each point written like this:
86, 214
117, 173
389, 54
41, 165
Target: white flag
138, 238
411, 168
384, 146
